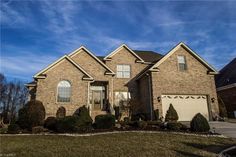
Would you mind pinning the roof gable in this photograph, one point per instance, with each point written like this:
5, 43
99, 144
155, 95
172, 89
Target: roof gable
40, 73
109, 56
110, 72
213, 70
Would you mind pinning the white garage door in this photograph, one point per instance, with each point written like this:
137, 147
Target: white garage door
187, 106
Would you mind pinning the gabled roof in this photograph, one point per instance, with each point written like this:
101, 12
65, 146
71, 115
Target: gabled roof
190, 51
110, 72
40, 74
108, 57
159, 62
227, 75
148, 56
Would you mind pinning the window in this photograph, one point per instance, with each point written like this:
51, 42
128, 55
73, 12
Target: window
63, 91
123, 71
182, 63
121, 99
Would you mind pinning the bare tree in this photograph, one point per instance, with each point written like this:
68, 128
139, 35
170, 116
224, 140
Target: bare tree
13, 96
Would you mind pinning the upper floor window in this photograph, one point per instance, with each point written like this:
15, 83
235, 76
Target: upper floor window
63, 91
182, 63
123, 71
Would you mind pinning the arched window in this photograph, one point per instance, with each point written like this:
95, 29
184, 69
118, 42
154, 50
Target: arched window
63, 91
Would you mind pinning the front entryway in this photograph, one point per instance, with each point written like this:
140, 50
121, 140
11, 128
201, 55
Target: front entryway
187, 106
98, 98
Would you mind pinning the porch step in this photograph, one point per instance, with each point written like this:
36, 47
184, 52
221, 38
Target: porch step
95, 113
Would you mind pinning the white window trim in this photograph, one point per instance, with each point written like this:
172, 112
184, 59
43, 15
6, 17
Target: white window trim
185, 63
123, 71
58, 91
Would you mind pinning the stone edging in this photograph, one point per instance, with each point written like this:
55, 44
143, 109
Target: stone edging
221, 154
112, 132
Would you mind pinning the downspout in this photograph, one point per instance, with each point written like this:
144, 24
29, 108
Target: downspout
150, 97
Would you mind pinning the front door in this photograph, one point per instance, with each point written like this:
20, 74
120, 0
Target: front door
97, 100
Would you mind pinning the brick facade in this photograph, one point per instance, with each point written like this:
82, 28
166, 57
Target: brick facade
195, 80
169, 80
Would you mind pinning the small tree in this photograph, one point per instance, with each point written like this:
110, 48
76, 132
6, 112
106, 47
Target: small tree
199, 123
171, 114
32, 114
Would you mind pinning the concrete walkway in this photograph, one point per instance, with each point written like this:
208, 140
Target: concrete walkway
224, 128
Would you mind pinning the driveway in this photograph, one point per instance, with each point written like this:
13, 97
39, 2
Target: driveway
224, 128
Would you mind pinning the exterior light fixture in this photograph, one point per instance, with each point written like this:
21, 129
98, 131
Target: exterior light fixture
159, 99
212, 100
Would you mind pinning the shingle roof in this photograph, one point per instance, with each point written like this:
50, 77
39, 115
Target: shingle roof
148, 56
100, 57
227, 74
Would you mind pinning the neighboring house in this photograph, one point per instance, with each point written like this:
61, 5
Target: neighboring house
226, 87
181, 77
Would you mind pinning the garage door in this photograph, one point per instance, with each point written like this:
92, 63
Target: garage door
186, 105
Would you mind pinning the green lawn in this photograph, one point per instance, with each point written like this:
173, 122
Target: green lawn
114, 145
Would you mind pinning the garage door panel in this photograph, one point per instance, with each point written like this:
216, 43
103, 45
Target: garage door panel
186, 105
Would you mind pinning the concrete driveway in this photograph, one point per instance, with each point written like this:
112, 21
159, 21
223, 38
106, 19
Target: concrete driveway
224, 128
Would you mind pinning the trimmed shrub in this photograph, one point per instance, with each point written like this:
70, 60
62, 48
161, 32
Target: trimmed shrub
32, 114
51, 123
174, 126
126, 119
157, 123
67, 124
80, 121
171, 114
156, 114
137, 117
38, 129
61, 112
85, 121
104, 121
13, 128
199, 123
142, 124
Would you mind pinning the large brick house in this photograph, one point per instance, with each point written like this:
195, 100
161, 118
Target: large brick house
180, 77
226, 87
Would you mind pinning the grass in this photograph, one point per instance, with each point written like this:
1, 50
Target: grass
122, 144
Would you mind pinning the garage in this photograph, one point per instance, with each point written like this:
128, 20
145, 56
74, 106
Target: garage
186, 105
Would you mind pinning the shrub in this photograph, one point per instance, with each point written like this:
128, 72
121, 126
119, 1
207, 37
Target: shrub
156, 114
199, 123
138, 116
23, 118
61, 112
38, 129
13, 128
51, 123
171, 114
158, 123
84, 122
142, 124
174, 126
67, 124
117, 112
104, 121
126, 119
32, 114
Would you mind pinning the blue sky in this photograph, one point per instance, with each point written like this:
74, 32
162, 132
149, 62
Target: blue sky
35, 33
